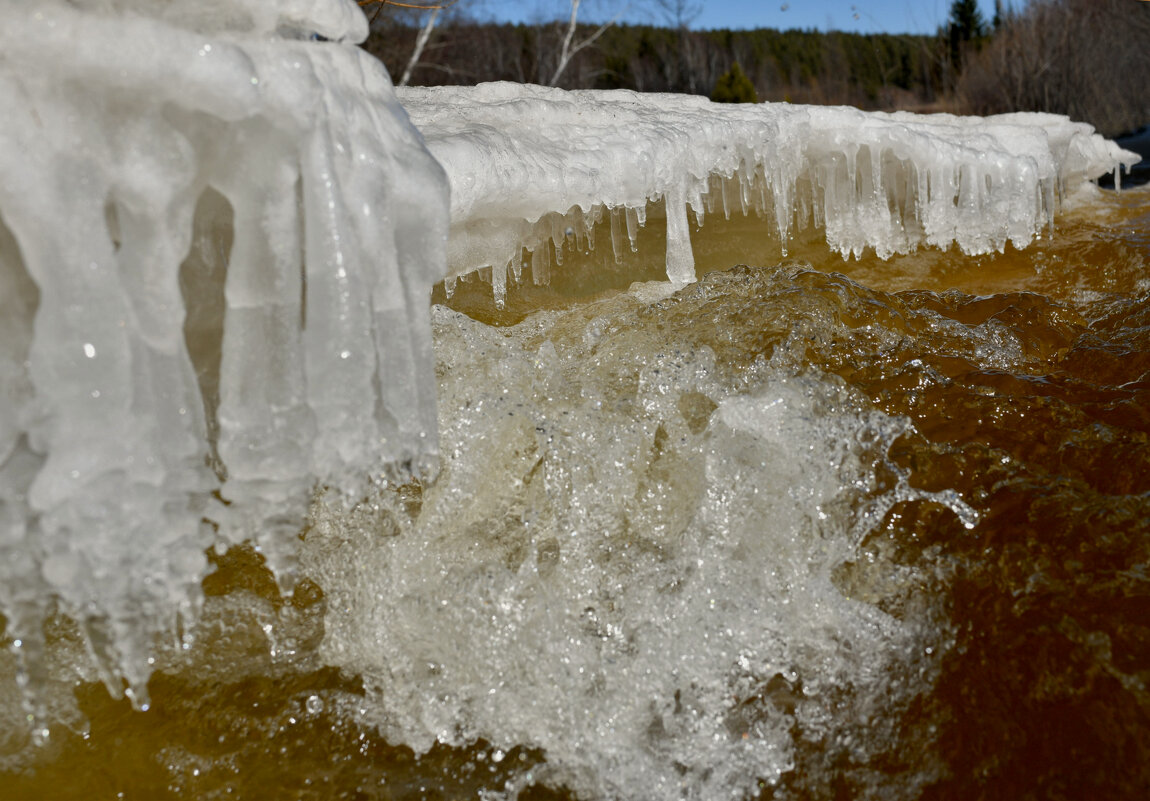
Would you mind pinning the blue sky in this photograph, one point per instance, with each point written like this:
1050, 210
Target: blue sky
863, 16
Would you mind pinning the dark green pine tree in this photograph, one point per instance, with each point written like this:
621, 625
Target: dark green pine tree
966, 26
734, 86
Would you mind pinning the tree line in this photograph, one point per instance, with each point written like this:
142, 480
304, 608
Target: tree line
1085, 58
867, 70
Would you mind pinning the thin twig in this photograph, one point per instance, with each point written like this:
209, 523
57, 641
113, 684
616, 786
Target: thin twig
420, 6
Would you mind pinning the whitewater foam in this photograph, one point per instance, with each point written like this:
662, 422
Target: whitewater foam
629, 561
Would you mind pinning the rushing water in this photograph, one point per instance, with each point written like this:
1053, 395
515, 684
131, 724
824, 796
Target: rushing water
805, 529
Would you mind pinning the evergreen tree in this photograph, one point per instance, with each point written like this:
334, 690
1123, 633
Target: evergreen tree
734, 86
966, 26
966, 18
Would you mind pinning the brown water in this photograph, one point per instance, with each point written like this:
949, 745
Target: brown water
980, 556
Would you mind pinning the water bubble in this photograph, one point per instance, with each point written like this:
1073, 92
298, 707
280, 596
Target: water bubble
314, 704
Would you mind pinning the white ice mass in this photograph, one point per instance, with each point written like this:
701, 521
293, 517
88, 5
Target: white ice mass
530, 166
219, 235
219, 232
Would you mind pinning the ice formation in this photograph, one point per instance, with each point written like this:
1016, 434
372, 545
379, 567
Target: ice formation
218, 235
531, 166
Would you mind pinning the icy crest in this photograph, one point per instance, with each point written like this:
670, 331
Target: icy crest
531, 166
218, 235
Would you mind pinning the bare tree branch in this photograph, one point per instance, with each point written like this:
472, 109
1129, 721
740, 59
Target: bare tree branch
568, 51
420, 6
420, 43
379, 4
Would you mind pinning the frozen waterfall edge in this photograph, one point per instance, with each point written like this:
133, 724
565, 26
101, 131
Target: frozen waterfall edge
216, 253
532, 167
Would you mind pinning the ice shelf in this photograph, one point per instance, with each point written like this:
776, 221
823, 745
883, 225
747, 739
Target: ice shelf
531, 165
218, 236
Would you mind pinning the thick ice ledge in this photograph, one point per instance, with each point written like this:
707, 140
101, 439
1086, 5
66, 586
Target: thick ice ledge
530, 165
218, 236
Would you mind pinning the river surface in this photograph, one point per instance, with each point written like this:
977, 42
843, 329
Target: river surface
808, 528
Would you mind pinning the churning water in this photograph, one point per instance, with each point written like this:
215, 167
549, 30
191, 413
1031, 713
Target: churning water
804, 529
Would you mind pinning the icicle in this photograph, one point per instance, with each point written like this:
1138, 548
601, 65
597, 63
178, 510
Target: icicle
759, 190
922, 198
713, 185
589, 221
783, 196
876, 173
617, 235
541, 264
632, 227
499, 284
851, 152
517, 264
680, 259
449, 287
727, 190
573, 229
558, 236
